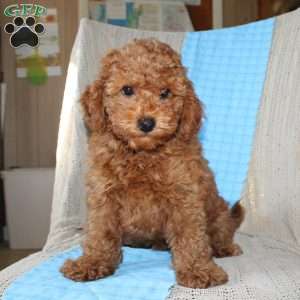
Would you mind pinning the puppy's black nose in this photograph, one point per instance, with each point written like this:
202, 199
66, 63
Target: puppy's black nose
146, 124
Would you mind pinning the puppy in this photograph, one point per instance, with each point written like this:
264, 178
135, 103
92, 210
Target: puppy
148, 183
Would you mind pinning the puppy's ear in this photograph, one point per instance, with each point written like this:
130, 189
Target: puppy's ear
191, 117
91, 101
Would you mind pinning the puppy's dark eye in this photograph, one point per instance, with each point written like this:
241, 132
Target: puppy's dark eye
127, 90
165, 93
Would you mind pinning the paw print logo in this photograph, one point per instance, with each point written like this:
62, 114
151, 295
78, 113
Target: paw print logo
24, 32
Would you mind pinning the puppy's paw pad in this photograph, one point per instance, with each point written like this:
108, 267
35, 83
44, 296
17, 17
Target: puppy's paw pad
207, 277
83, 270
236, 250
230, 250
217, 276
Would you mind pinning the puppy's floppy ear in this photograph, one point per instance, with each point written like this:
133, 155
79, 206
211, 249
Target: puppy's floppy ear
91, 101
191, 117
92, 98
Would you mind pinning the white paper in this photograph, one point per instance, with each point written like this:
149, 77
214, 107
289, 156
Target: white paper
174, 17
116, 9
164, 15
189, 2
48, 49
150, 16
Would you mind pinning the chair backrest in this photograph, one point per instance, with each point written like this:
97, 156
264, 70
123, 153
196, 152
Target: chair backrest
273, 181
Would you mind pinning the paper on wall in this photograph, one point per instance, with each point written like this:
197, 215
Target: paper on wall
143, 14
149, 18
174, 17
43, 61
189, 2
116, 9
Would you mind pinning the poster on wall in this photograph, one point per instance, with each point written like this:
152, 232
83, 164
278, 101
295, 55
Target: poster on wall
142, 14
40, 62
188, 2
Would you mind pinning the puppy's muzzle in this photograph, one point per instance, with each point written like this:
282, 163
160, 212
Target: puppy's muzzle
146, 124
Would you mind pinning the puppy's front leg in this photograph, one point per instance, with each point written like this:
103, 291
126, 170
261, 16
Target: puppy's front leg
102, 247
191, 251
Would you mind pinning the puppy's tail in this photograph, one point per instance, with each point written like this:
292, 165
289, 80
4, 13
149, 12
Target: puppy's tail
237, 213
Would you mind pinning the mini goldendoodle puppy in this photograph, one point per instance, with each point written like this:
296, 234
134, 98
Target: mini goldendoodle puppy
148, 183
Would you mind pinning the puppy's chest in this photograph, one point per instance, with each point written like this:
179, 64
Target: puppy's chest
134, 172
144, 194
158, 177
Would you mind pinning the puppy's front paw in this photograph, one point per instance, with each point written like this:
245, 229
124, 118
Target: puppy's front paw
204, 277
230, 250
84, 269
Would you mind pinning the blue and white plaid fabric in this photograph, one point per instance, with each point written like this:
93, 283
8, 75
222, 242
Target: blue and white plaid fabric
143, 275
228, 69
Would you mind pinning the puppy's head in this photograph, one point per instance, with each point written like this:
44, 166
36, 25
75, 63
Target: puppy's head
143, 97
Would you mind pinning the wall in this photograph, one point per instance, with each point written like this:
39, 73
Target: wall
32, 112
237, 12
201, 15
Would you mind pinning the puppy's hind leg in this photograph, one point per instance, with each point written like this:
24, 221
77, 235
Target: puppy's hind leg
222, 232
